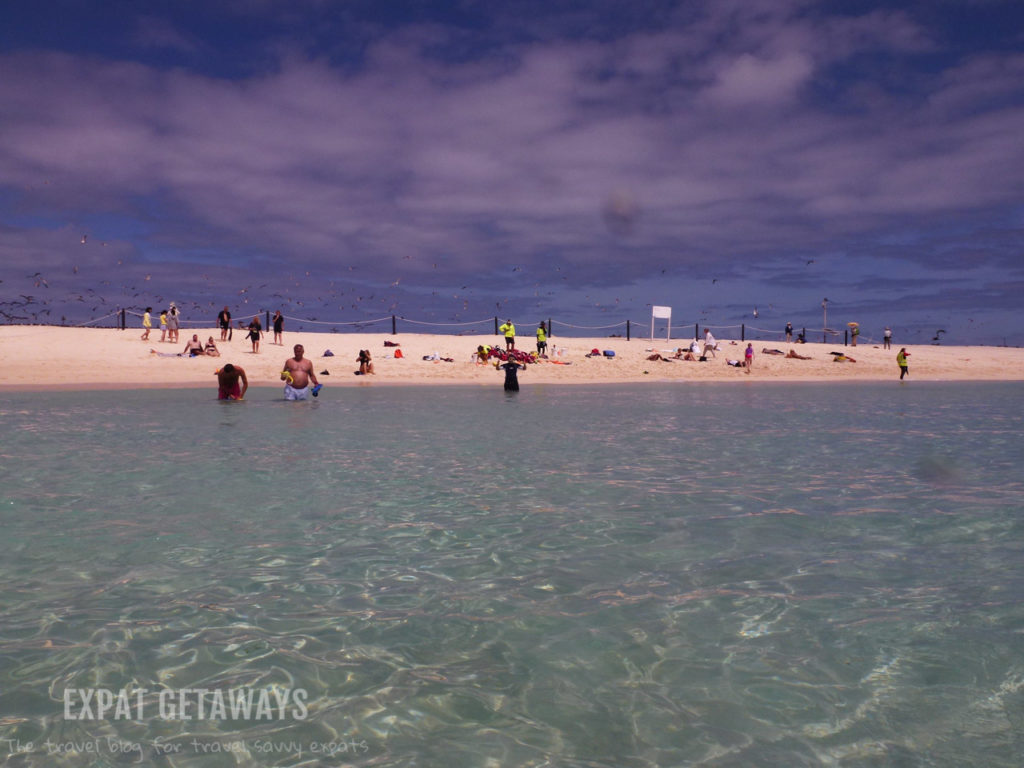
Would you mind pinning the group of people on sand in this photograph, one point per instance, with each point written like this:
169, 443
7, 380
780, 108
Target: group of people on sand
170, 320
193, 348
508, 330
254, 329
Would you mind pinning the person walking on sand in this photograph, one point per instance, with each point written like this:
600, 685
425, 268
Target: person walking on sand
901, 361
255, 333
147, 323
279, 328
887, 338
510, 334
297, 373
709, 343
748, 357
789, 332
224, 321
227, 382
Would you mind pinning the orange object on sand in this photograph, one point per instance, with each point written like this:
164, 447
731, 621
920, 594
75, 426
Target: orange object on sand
398, 354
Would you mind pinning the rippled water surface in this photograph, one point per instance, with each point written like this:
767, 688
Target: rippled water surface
773, 575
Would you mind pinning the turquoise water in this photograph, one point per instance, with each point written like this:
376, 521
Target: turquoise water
772, 575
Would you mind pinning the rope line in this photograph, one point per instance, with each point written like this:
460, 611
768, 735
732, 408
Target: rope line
589, 327
424, 322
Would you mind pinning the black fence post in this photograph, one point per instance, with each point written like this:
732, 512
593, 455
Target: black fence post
627, 330
549, 327
495, 326
846, 338
394, 327
696, 330
124, 324
743, 331
266, 318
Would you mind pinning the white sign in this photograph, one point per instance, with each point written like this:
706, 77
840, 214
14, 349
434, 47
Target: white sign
661, 313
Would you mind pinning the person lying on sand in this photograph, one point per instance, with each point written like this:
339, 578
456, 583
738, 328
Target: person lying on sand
794, 356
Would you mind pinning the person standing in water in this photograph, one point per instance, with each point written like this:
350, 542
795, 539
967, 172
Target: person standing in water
511, 374
297, 373
227, 382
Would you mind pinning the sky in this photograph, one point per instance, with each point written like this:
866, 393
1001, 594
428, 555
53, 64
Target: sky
740, 161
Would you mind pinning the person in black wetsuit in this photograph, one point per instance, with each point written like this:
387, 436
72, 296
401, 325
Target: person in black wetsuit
511, 374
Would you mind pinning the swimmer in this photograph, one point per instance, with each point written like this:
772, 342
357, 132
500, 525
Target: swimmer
227, 382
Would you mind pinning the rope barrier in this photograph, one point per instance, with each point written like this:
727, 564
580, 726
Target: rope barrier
331, 322
424, 322
90, 322
589, 327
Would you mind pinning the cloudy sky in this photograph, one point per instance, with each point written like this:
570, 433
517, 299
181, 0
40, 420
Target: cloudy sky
582, 160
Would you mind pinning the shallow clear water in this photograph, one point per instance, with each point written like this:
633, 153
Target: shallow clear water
772, 575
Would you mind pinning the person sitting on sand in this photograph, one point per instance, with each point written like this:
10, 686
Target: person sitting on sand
794, 356
365, 363
227, 382
211, 348
193, 346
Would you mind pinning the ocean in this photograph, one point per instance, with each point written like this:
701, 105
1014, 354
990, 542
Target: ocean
747, 574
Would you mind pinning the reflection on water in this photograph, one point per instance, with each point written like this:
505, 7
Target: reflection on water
628, 576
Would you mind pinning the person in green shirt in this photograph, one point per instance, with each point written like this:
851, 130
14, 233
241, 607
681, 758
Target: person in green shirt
510, 334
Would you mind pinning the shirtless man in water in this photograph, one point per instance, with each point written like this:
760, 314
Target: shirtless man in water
297, 374
227, 383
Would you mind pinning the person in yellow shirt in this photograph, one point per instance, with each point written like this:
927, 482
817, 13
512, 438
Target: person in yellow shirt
542, 339
163, 325
510, 334
147, 323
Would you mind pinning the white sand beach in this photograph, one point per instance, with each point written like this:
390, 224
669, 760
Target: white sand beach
46, 357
